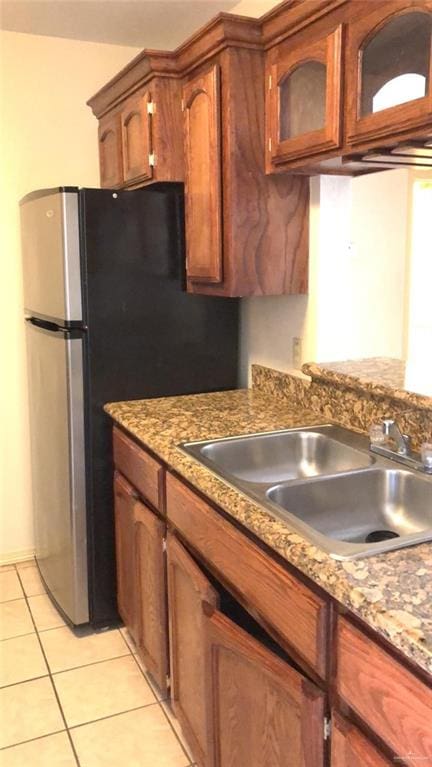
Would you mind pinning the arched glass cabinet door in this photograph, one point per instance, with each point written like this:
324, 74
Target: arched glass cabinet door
304, 100
389, 70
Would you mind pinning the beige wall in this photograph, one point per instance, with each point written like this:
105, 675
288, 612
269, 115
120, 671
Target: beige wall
48, 138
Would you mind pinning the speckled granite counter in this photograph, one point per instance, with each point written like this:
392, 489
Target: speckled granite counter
392, 593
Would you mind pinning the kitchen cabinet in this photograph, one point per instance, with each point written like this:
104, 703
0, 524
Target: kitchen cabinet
388, 66
237, 701
124, 502
304, 98
140, 124
140, 535
203, 205
350, 748
136, 138
110, 152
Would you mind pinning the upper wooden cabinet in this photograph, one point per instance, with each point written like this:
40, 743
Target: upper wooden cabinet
246, 233
110, 151
140, 124
304, 98
203, 207
388, 68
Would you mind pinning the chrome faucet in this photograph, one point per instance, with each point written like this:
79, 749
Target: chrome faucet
392, 431
380, 436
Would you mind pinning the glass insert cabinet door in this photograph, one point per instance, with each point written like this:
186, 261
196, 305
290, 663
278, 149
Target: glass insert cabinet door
304, 99
388, 71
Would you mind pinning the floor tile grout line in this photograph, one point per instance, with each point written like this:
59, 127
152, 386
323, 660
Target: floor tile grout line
31, 740
7, 601
23, 681
18, 636
52, 682
173, 729
86, 665
110, 716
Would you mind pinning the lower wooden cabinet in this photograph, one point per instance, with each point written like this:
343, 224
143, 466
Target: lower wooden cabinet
349, 748
141, 583
124, 502
237, 701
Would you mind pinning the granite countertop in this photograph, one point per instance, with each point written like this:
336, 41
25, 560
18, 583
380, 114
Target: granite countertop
392, 592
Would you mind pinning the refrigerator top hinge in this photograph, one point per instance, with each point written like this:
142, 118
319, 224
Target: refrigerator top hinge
164, 544
152, 159
327, 727
151, 107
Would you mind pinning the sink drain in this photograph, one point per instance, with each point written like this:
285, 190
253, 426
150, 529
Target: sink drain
380, 535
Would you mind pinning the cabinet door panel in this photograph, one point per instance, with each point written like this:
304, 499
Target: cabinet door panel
305, 100
389, 71
262, 711
136, 138
201, 97
110, 152
124, 501
187, 589
152, 639
349, 748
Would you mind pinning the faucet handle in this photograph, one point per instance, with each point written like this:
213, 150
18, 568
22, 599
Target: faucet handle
426, 456
376, 434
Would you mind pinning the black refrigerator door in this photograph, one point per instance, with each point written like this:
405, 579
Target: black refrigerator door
146, 336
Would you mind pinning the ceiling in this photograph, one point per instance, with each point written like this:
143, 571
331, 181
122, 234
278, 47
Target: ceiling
141, 23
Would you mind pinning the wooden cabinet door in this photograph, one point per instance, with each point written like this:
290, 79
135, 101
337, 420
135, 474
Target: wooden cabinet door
110, 152
262, 711
201, 104
187, 588
152, 627
304, 100
124, 502
388, 69
136, 138
349, 748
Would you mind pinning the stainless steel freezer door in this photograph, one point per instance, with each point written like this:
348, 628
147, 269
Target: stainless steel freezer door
56, 396
51, 256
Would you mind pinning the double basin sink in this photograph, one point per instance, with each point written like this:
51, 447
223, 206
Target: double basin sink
326, 485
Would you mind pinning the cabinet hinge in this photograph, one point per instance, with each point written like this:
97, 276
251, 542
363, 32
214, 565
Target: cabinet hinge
164, 544
327, 728
270, 82
269, 144
168, 680
183, 105
151, 107
152, 159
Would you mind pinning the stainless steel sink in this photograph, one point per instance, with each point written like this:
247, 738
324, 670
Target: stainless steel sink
326, 485
284, 455
373, 508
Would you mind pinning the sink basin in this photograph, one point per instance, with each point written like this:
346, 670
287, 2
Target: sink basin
325, 484
371, 510
280, 456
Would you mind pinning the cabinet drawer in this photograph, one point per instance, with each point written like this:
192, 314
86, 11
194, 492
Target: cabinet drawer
281, 601
389, 698
142, 471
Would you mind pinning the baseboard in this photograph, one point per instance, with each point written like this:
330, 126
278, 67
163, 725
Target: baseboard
13, 557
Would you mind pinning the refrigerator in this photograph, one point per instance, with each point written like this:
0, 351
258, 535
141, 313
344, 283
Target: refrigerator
107, 318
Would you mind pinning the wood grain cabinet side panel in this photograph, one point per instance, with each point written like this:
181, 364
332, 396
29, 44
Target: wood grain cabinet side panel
110, 151
203, 205
386, 696
262, 711
150, 588
187, 589
298, 615
349, 748
124, 502
142, 471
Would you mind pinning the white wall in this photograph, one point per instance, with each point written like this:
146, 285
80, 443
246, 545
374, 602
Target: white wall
48, 138
357, 274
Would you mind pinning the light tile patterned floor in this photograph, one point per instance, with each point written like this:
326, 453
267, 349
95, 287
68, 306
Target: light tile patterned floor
75, 699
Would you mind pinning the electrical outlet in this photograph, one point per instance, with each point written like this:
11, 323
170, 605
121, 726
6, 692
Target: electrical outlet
297, 353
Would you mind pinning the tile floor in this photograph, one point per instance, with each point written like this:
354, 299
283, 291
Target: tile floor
74, 699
